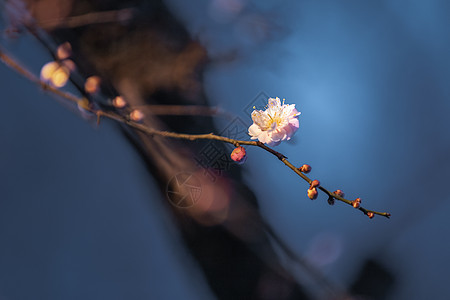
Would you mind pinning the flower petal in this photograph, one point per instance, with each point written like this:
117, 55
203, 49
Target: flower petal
254, 130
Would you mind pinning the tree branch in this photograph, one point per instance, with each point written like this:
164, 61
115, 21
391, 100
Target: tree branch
84, 103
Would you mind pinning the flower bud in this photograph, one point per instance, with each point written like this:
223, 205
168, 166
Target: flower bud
86, 108
48, 69
69, 64
64, 51
119, 102
331, 200
239, 155
60, 77
315, 183
92, 84
356, 203
136, 115
305, 169
339, 193
312, 193
370, 214
84, 104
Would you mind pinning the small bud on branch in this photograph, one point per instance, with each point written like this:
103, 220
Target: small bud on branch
312, 193
239, 155
305, 169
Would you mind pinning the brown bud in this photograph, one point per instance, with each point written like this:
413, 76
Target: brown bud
136, 115
370, 214
315, 183
69, 64
339, 193
84, 104
356, 203
119, 102
64, 51
305, 169
312, 193
92, 84
331, 200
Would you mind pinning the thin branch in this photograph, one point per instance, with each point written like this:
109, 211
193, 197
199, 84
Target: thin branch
183, 110
90, 18
82, 102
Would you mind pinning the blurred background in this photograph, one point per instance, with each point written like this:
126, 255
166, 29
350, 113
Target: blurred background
86, 211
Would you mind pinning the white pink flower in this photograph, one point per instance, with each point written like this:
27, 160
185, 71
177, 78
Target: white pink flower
277, 123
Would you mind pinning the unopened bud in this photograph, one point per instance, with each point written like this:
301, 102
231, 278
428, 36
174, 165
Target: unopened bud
55, 74
69, 64
305, 169
239, 155
86, 108
370, 214
331, 200
315, 183
64, 51
136, 115
312, 193
339, 193
84, 104
60, 77
118, 102
92, 84
48, 69
356, 203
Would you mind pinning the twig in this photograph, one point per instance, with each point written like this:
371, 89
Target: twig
90, 18
151, 131
183, 110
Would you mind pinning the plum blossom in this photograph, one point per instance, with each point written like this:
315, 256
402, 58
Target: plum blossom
277, 123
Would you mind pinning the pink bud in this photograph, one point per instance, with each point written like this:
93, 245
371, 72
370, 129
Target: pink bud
305, 169
136, 115
356, 203
119, 102
239, 155
339, 193
92, 84
64, 51
370, 214
315, 183
312, 193
69, 64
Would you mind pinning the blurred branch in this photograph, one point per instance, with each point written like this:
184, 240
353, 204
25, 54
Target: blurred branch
183, 110
121, 15
85, 104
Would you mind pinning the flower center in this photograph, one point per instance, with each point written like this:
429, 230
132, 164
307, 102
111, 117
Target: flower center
274, 121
